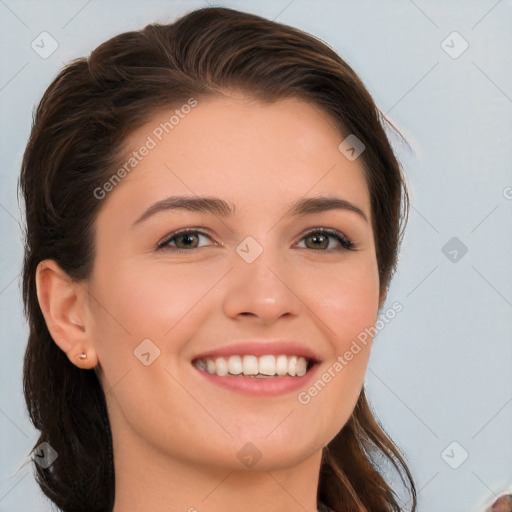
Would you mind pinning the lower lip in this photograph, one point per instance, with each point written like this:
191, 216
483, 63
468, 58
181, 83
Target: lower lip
271, 386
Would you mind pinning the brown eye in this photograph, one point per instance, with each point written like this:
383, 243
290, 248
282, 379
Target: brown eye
182, 241
320, 240
187, 241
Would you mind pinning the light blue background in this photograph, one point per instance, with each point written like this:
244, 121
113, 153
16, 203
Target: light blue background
441, 371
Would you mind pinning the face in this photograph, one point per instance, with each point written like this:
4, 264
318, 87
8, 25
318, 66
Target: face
268, 279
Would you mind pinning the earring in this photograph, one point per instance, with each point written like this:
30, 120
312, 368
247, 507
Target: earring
82, 356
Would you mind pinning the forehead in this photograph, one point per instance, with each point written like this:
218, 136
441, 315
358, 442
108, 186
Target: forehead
242, 149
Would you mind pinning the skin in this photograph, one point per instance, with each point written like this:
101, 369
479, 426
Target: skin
176, 436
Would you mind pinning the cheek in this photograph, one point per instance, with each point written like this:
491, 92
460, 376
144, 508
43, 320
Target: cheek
149, 300
348, 307
134, 303
347, 301
163, 303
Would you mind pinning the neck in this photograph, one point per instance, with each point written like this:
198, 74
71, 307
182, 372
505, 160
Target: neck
146, 479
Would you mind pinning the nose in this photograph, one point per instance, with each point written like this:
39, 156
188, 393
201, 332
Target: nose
264, 290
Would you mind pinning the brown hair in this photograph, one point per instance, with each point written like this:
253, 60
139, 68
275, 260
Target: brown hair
77, 141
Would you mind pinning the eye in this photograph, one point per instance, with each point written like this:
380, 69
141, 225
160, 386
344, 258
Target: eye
182, 241
319, 238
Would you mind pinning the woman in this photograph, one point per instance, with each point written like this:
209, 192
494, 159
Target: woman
213, 218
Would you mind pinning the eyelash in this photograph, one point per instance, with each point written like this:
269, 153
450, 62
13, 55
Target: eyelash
346, 245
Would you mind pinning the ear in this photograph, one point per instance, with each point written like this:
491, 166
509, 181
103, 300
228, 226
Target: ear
63, 302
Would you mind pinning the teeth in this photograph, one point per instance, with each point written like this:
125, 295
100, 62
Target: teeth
235, 365
210, 366
249, 365
302, 366
292, 366
267, 365
281, 365
260, 367
222, 366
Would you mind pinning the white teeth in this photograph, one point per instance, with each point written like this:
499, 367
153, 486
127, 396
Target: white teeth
261, 367
292, 366
267, 365
235, 365
281, 365
301, 367
250, 365
210, 366
222, 366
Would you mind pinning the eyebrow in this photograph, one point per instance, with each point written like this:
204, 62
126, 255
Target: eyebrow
223, 208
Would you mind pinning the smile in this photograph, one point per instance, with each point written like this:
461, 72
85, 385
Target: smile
264, 366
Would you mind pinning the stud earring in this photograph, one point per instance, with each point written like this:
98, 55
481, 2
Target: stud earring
82, 356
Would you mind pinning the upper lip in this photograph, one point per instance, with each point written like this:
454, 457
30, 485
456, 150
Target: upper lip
261, 348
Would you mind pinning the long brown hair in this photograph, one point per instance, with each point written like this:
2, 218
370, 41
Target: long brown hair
75, 145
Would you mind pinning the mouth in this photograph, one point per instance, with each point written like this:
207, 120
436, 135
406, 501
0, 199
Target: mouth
267, 366
259, 369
